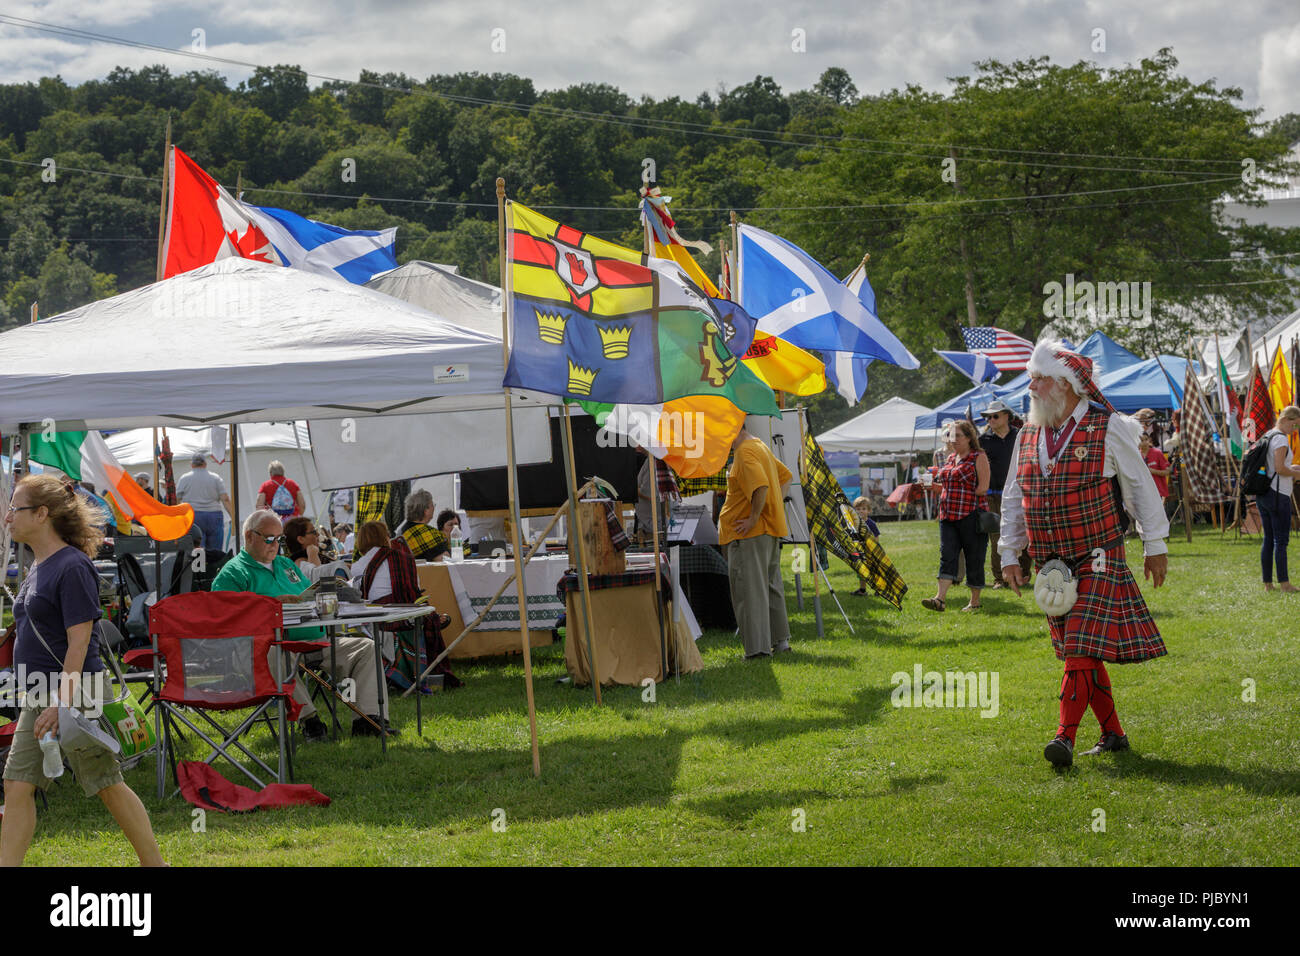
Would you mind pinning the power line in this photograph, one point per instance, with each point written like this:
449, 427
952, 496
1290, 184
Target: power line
678, 209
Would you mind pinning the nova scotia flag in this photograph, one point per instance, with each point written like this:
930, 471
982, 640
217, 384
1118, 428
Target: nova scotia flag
324, 249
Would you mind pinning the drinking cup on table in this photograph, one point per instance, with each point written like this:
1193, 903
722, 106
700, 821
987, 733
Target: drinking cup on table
327, 605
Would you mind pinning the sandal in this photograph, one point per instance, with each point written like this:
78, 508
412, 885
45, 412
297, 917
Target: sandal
934, 604
973, 607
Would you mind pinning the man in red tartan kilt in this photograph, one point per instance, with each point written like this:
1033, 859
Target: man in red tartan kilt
1075, 471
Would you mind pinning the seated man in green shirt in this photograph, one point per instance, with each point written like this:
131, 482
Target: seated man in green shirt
261, 569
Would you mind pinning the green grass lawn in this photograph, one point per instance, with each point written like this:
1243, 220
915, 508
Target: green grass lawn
724, 764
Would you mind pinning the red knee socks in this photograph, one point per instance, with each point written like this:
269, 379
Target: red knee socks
1085, 682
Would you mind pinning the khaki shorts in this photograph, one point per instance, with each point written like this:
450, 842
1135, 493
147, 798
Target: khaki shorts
25, 759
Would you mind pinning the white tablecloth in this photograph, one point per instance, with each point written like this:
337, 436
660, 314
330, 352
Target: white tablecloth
475, 581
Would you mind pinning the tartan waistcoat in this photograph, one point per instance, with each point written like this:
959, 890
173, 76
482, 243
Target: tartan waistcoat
1072, 510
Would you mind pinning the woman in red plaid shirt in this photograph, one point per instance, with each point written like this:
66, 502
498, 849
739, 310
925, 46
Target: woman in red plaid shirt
965, 481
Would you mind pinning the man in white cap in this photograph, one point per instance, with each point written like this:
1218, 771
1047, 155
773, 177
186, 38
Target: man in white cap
1076, 471
206, 494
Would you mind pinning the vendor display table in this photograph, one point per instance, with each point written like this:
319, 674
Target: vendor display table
462, 589
625, 630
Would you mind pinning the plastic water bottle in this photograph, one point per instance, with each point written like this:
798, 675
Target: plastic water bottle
457, 545
51, 756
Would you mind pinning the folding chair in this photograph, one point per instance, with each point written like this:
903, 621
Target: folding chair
222, 651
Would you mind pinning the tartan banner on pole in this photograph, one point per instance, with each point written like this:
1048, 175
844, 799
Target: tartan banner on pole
1201, 464
1259, 407
827, 504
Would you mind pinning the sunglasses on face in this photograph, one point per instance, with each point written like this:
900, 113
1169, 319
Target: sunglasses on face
267, 538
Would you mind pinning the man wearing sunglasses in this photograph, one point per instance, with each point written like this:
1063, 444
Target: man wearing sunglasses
261, 569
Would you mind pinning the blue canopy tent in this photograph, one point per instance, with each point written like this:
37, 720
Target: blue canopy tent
954, 409
1145, 385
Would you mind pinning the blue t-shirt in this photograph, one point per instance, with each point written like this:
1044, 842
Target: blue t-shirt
58, 593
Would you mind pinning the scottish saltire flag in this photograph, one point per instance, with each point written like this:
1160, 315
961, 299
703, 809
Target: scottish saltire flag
1010, 353
595, 321
847, 371
792, 295
977, 367
355, 255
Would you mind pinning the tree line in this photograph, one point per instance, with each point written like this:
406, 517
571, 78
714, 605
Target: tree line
968, 201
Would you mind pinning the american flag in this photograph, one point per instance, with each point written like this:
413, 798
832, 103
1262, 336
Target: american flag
1009, 353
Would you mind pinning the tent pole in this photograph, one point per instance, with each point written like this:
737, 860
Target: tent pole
512, 477
302, 463
25, 444
584, 592
812, 540
234, 484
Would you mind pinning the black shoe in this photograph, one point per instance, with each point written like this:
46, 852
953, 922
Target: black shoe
1110, 741
313, 728
361, 727
1060, 752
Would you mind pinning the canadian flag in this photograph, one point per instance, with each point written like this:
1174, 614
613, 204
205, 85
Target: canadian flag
205, 223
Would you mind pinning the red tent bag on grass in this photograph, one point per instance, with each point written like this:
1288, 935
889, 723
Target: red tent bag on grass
204, 787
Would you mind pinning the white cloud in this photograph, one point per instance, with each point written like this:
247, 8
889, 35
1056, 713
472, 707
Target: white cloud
1279, 71
676, 47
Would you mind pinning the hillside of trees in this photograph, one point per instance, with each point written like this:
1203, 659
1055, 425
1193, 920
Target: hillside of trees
1017, 175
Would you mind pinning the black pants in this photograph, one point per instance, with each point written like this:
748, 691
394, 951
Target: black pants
962, 535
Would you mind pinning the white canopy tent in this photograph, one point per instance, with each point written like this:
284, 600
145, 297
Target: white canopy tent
1283, 332
889, 427
259, 445
243, 341
437, 288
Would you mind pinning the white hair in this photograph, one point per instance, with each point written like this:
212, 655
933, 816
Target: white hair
256, 518
276, 468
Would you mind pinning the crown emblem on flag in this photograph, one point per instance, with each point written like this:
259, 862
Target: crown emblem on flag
580, 379
614, 341
550, 326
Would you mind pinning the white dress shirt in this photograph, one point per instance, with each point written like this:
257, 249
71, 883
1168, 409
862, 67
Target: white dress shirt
381, 586
1123, 461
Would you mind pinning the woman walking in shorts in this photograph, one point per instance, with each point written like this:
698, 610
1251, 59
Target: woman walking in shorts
56, 649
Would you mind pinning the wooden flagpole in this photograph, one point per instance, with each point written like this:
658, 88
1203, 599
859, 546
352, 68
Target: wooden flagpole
735, 269
512, 477
163, 197
158, 266
648, 246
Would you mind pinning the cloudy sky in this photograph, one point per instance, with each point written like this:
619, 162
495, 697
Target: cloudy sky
670, 47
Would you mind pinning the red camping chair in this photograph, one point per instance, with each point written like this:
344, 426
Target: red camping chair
222, 651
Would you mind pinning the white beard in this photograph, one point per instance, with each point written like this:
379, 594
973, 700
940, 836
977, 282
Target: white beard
1046, 412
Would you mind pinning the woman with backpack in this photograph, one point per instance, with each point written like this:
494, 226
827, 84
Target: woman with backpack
280, 494
56, 654
1275, 504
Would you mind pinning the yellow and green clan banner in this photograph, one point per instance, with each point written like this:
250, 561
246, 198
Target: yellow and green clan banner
596, 321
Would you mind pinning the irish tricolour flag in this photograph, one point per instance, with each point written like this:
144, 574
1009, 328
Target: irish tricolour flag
83, 456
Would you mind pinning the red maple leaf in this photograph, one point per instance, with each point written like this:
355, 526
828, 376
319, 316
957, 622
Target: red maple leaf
253, 244
576, 269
